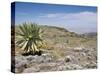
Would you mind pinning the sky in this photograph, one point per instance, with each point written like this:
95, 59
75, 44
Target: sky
80, 19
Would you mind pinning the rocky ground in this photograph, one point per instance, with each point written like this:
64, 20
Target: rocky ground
64, 50
75, 58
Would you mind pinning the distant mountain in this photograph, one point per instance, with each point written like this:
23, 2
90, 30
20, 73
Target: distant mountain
90, 34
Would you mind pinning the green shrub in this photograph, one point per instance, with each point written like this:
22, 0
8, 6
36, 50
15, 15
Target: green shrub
29, 37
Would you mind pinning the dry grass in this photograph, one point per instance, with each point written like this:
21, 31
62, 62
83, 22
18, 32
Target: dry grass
57, 41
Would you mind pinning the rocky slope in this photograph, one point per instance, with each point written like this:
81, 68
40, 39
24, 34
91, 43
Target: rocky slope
64, 50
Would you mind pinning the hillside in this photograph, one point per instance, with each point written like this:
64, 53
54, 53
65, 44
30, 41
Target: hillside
62, 50
71, 39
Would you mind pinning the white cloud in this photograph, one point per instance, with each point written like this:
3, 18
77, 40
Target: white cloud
72, 16
79, 22
50, 15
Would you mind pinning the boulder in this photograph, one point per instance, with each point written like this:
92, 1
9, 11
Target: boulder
68, 58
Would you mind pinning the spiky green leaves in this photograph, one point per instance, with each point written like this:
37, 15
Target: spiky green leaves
28, 37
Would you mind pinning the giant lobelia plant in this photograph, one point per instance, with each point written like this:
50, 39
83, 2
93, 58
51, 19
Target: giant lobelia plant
29, 38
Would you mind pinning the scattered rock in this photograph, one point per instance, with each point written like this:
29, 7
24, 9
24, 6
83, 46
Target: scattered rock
61, 68
73, 66
68, 58
48, 66
31, 69
78, 49
80, 58
91, 65
20, 61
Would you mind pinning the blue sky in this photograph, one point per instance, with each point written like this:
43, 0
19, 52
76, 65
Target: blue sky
79, 19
